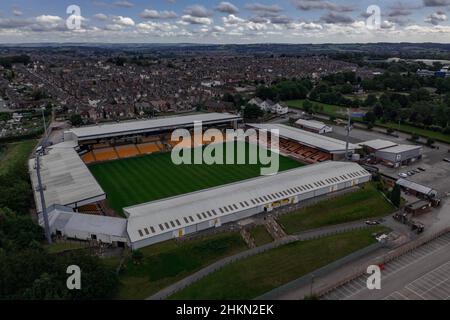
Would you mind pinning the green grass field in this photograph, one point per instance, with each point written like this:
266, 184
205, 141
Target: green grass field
362, 204
142, 179
168, 262
256, 275
438, 136
326, 109
13, 153
261, 235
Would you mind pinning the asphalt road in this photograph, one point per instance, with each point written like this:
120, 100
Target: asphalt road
403, 271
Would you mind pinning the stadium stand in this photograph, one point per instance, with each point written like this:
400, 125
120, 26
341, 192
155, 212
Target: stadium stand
93, 209
149, 148
100, 145
105, 154
88, 158
150, 139
127, 151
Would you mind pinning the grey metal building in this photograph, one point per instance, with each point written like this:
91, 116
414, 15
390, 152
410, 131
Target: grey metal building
400, 155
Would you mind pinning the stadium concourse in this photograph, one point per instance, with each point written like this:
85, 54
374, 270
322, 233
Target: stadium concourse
71, 191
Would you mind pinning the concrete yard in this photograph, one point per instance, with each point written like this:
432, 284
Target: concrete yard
419, 274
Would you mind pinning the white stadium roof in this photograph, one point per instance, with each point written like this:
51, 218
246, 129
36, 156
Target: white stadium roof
307, 138
378, 144
67, 180
61, 218
168, 215
311, 124
142, 126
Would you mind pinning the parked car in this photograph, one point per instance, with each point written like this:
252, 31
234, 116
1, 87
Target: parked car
421, 169
372, 223
382, 238
446, 159
403, 175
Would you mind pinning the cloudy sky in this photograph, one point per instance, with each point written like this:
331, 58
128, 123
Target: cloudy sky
233, 21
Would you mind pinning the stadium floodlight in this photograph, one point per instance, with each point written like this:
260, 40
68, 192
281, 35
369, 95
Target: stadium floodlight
41, 195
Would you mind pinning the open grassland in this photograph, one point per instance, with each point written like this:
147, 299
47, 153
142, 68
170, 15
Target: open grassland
12, 154
361, 204
261, 235
142, 179
256, 275
168, 262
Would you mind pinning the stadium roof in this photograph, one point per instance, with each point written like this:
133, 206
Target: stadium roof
61, 218
378, 144
401, 148
311, 124
66, 179
307, 138
142, 126
168, 215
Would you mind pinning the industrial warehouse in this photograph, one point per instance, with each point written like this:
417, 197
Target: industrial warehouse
392, 154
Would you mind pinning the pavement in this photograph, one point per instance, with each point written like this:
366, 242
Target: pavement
415, 275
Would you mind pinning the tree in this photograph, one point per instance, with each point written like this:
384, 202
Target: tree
307, 106
370, 117
76, 120
396, 195
252, 112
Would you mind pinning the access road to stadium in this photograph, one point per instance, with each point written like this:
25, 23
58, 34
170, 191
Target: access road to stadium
398, 274
422, 274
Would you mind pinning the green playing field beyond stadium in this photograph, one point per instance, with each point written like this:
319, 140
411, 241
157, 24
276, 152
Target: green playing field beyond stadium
143, 179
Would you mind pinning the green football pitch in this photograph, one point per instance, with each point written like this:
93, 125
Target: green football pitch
142, 179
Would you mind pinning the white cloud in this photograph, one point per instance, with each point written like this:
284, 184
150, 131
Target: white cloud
100, 16
155, 14
188, 19
123, 21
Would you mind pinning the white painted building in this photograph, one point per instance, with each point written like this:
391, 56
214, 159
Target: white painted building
313, 126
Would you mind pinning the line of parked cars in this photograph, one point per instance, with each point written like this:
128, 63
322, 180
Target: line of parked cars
411, 172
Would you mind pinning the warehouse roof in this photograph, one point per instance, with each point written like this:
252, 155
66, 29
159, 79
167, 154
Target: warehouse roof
416, 187
378, 144
141, 126
64, 219
307, 138
168, 215
401, 148
65, 177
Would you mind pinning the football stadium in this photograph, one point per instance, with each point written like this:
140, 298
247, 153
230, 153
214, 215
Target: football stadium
116, 183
